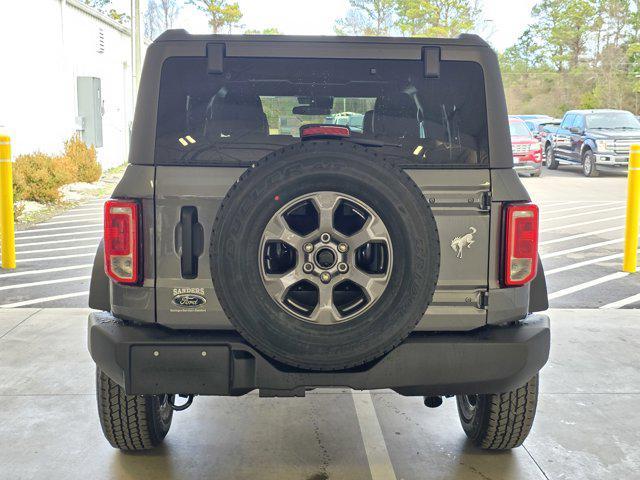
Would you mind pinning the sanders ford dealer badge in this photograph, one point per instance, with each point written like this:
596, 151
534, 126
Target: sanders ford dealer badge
188, 300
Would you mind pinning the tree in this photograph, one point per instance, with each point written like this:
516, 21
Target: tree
367, 17
221, 14
160, 16
265, 31
103, 7
436, 18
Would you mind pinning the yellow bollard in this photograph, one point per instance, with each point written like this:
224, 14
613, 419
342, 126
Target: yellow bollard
630, 263
7, 229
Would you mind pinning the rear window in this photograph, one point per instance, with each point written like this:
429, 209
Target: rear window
259, 104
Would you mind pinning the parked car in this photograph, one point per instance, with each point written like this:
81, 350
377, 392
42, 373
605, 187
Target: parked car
594, 139
527, 152
237, 258
533, 121
545, 133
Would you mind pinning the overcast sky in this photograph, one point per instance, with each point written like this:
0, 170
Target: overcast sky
504, 20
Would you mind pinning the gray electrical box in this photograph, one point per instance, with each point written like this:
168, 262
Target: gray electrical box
90, 110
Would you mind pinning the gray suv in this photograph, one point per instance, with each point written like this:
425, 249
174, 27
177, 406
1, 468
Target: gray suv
239, 255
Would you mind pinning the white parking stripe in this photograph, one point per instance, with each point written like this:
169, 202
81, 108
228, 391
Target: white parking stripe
573, 215
59, 241
58, 249
66, 222
90, 209
621, 303
45, 270
582, 248
75, 227
64, 215
377, 455
573, 266
580, 224
35, 301
581, 235
51, 235
44, 282
59, 257
583, 206
582, 286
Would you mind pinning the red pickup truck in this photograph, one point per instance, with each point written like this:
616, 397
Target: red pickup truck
527, 151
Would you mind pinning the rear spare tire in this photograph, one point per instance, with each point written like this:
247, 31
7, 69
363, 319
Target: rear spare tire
324, 256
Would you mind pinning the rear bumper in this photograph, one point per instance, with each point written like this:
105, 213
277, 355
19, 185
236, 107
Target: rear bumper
527, 166
153, 360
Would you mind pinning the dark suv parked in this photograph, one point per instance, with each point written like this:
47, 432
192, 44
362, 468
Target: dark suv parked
239, 255
593, 139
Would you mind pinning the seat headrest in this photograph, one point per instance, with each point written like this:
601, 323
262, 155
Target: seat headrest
367, 123
233, 114
396, 116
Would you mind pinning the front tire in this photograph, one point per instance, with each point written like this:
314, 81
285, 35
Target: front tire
499, 421
589, 167
131, 422
552, 163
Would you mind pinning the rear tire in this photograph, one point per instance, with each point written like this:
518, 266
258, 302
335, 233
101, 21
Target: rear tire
552, 163
537, 173
589, 167
131, 422
499, 421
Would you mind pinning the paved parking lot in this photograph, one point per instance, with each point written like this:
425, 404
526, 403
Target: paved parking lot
586, 427
582, 228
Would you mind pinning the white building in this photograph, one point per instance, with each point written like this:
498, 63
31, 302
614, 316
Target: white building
66, 68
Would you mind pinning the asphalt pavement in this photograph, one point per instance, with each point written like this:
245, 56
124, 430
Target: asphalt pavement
582, 227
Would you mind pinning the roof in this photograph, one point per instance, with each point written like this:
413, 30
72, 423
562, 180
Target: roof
596, 110
180, 35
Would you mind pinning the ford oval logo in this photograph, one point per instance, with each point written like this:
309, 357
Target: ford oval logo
189, 300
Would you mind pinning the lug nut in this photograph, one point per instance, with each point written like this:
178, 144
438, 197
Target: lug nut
343, 267
343, 247
307, 267
325, 277
325, 238
308, 247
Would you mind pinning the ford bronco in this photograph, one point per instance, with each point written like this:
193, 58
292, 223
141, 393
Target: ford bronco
242, 253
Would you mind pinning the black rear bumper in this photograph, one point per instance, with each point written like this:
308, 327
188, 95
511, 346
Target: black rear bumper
153, 360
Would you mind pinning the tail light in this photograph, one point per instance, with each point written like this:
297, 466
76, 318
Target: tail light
521, 244
121, 219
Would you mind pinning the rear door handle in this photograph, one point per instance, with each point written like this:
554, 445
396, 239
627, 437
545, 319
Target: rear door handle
191, 240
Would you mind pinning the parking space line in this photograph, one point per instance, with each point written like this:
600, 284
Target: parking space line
43, 299
64, 222
59, 257
591, 283
58, 241
561, 217
65, 215
44, 282
580, 224
376, 449
621, 303
583, 264
581, 235
585, 206
39, 230
90, 209
51, 235
45, 270
581, 248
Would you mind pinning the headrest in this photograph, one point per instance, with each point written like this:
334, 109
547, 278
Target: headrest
396, 116
233, 114
367, 123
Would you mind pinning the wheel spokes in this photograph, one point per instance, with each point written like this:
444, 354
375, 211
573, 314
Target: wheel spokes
325, 312
325, 203
278, 285
278, 230
372, 284
372, 230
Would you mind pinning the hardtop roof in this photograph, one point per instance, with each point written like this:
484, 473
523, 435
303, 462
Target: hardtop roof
181, 35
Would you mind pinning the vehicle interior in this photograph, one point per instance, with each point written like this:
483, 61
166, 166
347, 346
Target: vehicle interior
255, 109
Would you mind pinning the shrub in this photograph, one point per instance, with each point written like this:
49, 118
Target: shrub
84, 159
38, 176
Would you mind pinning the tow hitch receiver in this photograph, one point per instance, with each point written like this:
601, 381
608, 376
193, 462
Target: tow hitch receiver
185, 405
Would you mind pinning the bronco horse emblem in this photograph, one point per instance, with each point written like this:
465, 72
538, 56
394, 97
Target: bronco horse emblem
458, 243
